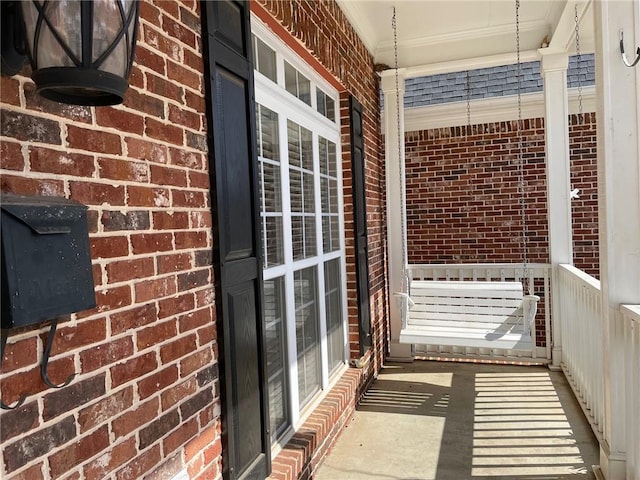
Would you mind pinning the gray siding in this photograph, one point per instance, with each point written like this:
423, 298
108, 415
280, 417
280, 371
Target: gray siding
491, 82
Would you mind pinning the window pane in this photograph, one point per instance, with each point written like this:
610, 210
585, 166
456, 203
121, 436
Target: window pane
276, 353
304, 89
266, 60
309, 236
333, 306
330, 234
269, 143
335, 234
325, 105
297, 237
331, 109
307, 148
272, 187
275, 243
307, 333
326, 234
321, 102
295, 191
333, 196
322, 153
290, 79
270, 182
327, 154
309, 193
324, 193
297, 84
293, 140
331, 159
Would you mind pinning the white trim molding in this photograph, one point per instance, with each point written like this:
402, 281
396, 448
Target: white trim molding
488, 110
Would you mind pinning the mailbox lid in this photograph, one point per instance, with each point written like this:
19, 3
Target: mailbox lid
44, 215
46, 261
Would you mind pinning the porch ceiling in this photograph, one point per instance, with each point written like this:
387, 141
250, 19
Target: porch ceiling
451, 32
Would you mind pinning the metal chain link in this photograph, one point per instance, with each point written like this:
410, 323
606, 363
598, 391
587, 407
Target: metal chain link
468, 101
403, 232
525, 254
580, 116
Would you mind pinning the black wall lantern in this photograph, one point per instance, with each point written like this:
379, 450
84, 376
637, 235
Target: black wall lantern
81, 51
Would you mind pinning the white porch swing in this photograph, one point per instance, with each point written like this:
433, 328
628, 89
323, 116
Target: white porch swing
476, 314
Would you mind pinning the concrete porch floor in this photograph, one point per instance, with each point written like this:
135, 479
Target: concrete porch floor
456, 421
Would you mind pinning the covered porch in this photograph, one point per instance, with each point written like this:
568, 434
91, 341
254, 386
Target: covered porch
590, 328
451, 421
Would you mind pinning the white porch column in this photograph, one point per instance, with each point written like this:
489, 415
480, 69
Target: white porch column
618, 124
554, 72
396, 237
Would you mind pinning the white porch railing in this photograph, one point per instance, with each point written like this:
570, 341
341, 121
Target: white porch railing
631, 322
582, 348
538, 275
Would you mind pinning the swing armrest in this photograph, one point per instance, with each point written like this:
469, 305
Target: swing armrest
529, 310
410, 303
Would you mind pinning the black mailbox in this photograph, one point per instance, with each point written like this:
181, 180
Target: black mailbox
46, 261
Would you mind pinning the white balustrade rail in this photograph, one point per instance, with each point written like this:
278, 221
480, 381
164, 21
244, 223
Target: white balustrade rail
537, 274
631, 321
582, 348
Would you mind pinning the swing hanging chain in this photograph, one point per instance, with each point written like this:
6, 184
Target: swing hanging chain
521, 180
400, 163
580, 116
469, 102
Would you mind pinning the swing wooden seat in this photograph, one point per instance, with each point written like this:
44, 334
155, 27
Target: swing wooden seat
481, 314
495, 315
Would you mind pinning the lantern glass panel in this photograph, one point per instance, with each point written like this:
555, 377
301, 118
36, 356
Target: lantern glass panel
107, 23
64, 17
30, 15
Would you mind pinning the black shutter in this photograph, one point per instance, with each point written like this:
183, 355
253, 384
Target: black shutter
237, 263
360, 223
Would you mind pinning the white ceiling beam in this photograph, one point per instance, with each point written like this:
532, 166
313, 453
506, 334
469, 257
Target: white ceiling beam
465, 64
474, 34
563, 36
488, 110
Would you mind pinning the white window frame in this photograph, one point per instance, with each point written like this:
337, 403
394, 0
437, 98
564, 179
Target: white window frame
275, 97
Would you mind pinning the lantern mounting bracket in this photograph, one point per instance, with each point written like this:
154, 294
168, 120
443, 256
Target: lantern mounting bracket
13, 50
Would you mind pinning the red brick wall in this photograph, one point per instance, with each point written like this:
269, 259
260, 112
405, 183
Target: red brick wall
584, 211
463, 201
145, 400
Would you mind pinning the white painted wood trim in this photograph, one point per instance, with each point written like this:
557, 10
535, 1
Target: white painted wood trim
393, 117
469, 64
553, 68
489, 110
618, 141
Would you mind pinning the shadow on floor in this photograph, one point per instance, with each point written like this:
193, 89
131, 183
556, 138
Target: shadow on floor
457, 421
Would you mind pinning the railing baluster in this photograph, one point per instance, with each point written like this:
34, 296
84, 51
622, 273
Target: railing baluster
631, 323
582, 348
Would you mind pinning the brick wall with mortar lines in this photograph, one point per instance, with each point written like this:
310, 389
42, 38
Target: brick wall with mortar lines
463, 199
584, 209
463, 202
323, 30
145, 402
